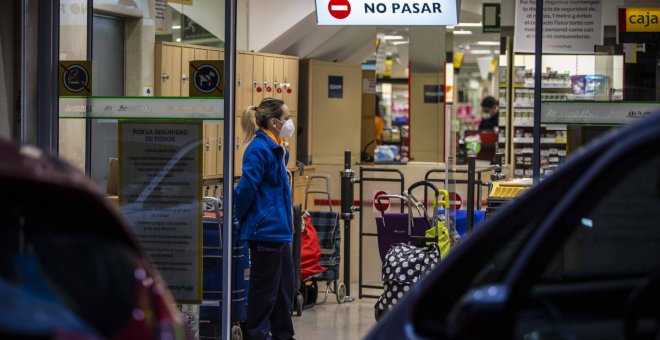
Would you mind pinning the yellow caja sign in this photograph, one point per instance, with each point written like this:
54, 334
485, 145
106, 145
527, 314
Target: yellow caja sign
639, 19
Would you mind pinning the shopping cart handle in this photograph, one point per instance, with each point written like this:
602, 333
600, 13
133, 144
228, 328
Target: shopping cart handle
426, 184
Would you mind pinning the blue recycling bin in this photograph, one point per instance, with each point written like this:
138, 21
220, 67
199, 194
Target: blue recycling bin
461, 219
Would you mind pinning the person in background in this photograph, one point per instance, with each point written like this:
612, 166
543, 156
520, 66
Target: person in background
489, 114
378, 121
264, 210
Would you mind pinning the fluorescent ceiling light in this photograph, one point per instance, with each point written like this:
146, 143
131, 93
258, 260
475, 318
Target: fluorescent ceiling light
480, 52
450, 27
393, 37
469, 24
176, 27
463, 32
399, 42
178, 39
488, 43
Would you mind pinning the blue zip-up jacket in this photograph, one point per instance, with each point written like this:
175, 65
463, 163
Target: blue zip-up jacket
263, 196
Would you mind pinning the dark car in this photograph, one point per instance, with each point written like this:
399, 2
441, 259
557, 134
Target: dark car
70, 267
576, 257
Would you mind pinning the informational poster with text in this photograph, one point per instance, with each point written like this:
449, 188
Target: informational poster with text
160, 192
569, 27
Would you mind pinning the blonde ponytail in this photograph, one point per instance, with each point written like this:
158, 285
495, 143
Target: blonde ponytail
249, 124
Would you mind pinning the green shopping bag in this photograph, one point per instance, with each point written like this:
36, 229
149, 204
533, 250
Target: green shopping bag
444, 240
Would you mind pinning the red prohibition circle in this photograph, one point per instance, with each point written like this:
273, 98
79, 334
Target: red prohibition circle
288, 91
279, 90
339, 9
385, 202
259, 90
268, 89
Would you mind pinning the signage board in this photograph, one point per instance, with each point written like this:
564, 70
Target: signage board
490, 18
604, 113
211, 108
335, 87
569, 27
160, 193
639, 25
387, 12
434, 94
206, 78
75, 78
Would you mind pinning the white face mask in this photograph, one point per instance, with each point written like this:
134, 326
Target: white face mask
287, 129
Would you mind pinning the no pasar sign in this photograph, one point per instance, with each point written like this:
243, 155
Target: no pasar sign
386, 12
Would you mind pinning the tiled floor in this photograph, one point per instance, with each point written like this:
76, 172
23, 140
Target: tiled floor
336, 321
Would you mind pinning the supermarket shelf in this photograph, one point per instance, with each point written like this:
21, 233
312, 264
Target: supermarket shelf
530, 140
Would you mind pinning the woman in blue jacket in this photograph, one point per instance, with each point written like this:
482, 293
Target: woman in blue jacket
263, 207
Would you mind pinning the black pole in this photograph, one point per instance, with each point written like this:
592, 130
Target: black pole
48, 48
538, 58
228, 166
90, 56
347, 176
470, 195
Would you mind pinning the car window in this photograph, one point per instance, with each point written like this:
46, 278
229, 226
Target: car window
620, 236
497, 266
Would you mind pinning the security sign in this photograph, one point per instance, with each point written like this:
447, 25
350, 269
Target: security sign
384, 202
75, 78
207, 78
455, 200
387, 12
339, 9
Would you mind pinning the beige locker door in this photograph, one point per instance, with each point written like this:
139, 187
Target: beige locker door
239, 147
291, 83
167, 78
187, 55
268, 77
210, 136
278, 77
244, 86
257, 79
219, 149
214, 55
292, 142
201, 54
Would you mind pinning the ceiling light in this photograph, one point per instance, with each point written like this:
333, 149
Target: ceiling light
480, 52
488, 43
399, 42
469, 24
176, 27
450, 27
178, 39
462, 32
393, 37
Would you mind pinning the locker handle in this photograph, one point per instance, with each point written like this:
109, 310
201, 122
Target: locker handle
239, 82
165, 77
184, 77
208, 146
254, 83
219, 144
237, 145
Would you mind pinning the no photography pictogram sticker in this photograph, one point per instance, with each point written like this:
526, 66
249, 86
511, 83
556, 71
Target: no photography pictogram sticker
339, 9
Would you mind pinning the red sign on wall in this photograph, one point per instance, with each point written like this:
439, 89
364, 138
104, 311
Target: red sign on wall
339, 9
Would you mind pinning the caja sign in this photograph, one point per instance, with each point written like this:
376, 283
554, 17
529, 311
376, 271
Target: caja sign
387, 12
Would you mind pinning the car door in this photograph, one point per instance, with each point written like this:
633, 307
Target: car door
490, 256
576, 275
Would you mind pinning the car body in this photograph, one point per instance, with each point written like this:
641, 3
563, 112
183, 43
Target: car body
67, 256
575, 257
